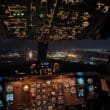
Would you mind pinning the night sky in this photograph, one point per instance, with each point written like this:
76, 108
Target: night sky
82, 44
17, 44
55, 45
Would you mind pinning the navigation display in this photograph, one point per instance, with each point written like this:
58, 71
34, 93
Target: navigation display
80, 92
9, 97
80, 81
79, 74
90, 88
90, 81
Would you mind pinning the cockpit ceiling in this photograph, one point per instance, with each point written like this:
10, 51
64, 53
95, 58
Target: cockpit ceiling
56, 19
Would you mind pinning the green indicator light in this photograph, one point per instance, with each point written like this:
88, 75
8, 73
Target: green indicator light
18, 14
14, 14
22, 14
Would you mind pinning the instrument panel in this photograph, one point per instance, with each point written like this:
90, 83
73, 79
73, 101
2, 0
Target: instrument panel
47, 92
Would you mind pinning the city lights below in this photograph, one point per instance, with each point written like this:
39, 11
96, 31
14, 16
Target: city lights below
72, 55
86, 56
30, 54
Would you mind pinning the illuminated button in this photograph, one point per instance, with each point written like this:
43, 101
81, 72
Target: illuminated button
14, 14
85, 24
18, 14
22, 14
26, 88
48, 82
9, 88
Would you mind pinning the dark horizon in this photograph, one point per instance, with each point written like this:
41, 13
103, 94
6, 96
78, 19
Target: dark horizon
17, 44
